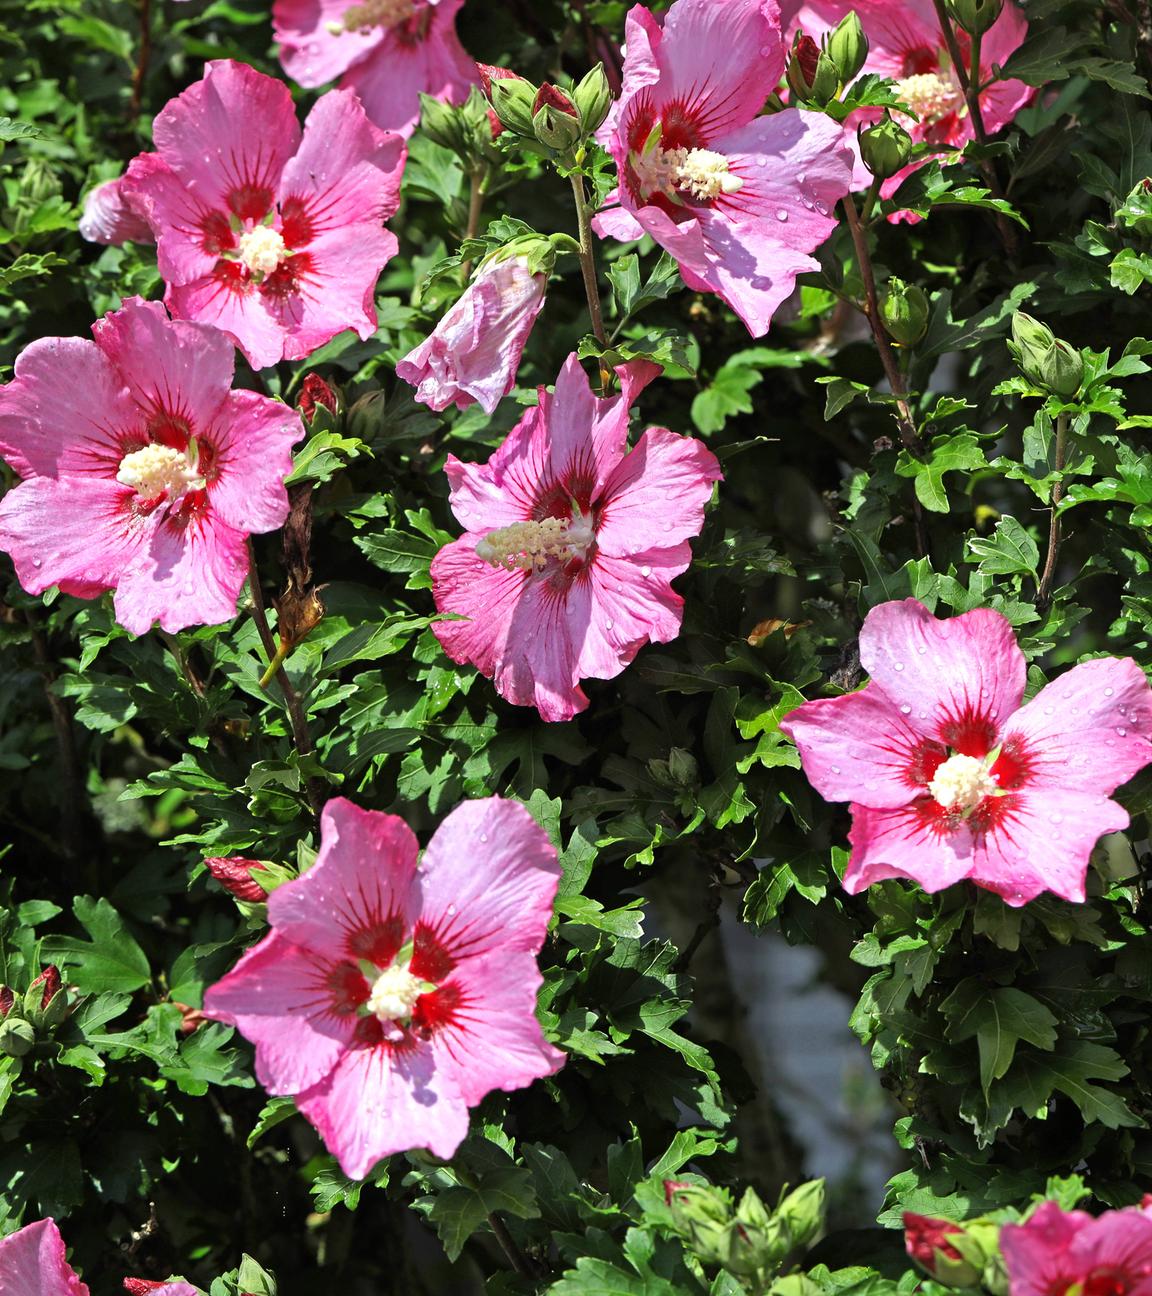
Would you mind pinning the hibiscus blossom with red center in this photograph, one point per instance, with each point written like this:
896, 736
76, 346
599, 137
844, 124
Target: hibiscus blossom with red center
143, 471
1070, 1253
389, 52
950, 777
394, 990
740, 200
572, 544
273, 234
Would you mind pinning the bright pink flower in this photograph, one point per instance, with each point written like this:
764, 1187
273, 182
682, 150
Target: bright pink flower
738, 199
950, 777
473, 354
392, 995
905, 43
1055, 1250
572, 543
235, 875
143, 471
111, 216
34, 1262
388, 51
272, 234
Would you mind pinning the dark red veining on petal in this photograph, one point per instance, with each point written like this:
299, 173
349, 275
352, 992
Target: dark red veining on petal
430, 959
970, 731
284, 281
348, 987
231, 276
436, 1009
296, 226
168, 428
216, 234
923, 761
1014, 766
251, 201
1108, 1282
379, 942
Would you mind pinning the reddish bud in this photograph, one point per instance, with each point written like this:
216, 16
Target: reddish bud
49, 983
925, 1235
191, 1019
672, 1187
549, 97
313, 392
807, 53
7, 999
489, 73
235, 876
138, 1286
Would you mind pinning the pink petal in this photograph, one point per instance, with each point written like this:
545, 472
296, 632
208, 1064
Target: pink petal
625, 604
494, 1040
617, 222
858, 748
1088, 731
252, 440
379, 1101
178, 215
281, 998
33, 1262
966, 671
1042, 843
236, 309
110, 216
1036, 1253
189, 573
359, 883
1002, 100
487, 881
309, 52
905, 843
655, 497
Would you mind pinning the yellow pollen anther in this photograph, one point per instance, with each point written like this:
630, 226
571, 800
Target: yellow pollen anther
373, 13
262, 249
527, 546
394, 994
961, 783
157, 470
930, 96
700, 173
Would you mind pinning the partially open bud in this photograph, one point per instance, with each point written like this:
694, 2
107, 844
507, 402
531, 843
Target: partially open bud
314, 393
848, 47
140, 1286
593, 99
812, 75
933, 1244
7, 1000
904, 312
46, 1000
555, 119
975, 16
488, 74
512, 100
1043, 358
16, 1037
885, 148
236, 876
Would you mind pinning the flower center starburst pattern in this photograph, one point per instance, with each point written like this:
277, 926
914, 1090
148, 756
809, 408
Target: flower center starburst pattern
531, 546
161, 470
678, 173
962, 783
931, 96
262, 249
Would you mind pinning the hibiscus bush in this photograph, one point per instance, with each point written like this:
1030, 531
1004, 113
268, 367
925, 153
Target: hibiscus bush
498, 498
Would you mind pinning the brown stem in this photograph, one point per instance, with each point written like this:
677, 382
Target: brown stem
182, 660
516, 1258
292, 704
588, 270
140, 71
478, 185
1044, 589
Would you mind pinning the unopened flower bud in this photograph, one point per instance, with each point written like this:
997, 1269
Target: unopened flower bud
141, 1286
7, 1000
442, 123
1043, 358
812, 75
512, 100
904, 312
16, 1037
974, 16
315, 393
885, 148
236, 876
45, 1000
593, 99
848, 47
555, 119
803, 1211
932, 1243
253, 1279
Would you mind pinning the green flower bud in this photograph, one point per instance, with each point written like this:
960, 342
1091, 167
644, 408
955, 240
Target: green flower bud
812, 75
254, 1280
556, 121
512, 102
1043, 358
442, 123
975, 16
16, 1037
904, 312
593, 99
803, 1211
885, 147
46, 1000
848, 47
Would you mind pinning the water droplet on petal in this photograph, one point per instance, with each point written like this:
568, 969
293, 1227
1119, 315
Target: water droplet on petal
451, 911
1108, 692
1049, 710
1057, 818
645, 571
1122, 732
483, 837
905, 709
923, 648
37, 563
898, 666
835, 769
781, 214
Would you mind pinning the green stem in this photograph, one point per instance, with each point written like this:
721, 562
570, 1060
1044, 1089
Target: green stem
870, 203
588, 269
1044, 589
478, 189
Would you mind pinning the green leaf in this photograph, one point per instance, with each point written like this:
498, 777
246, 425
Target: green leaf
111, 960
593, 1277
1009, 550
945, 454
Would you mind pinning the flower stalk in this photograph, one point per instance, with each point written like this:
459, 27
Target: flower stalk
588, 270
1044, 589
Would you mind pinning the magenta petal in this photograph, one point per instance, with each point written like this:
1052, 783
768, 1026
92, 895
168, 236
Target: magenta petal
1088, 731
177, 215
905, 843
466, 586
34, 1262
280, 997
630, 602
111, 216
487, 881
252, 441
360, 881
311, 54
240, 312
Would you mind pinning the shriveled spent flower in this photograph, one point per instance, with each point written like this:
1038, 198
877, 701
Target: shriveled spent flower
395, 991
34, 1262
1070, 1253
143, 471
388, 52
950, 777
473, 354
740, 200
572, 542
273, 234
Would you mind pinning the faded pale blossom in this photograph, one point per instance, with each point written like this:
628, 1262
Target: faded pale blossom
272, 234
111, 216
473, 354
572, 542
1071, 1253
388, 52
396, 990
142, 470
951, 777
740, 200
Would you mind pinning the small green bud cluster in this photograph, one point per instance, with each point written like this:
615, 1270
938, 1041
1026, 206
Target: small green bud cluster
557, 118
42, 1008
818, 73
1044, 359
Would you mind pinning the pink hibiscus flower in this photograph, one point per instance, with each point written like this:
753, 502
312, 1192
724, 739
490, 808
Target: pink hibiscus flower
388, 51
738, 199
110, 216
34, 1262
1055, 1251
392, 995
474, 352
950, 777
905, 43
143, 471
572, 544
272, 234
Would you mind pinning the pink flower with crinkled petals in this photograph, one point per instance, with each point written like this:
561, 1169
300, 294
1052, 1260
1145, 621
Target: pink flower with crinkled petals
394, 993
572, 543
950, 777
273, 234
34, 1262
388, 51
143, 471
141, 1286
741, 201
111, 216
1055, 1252
474, 352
